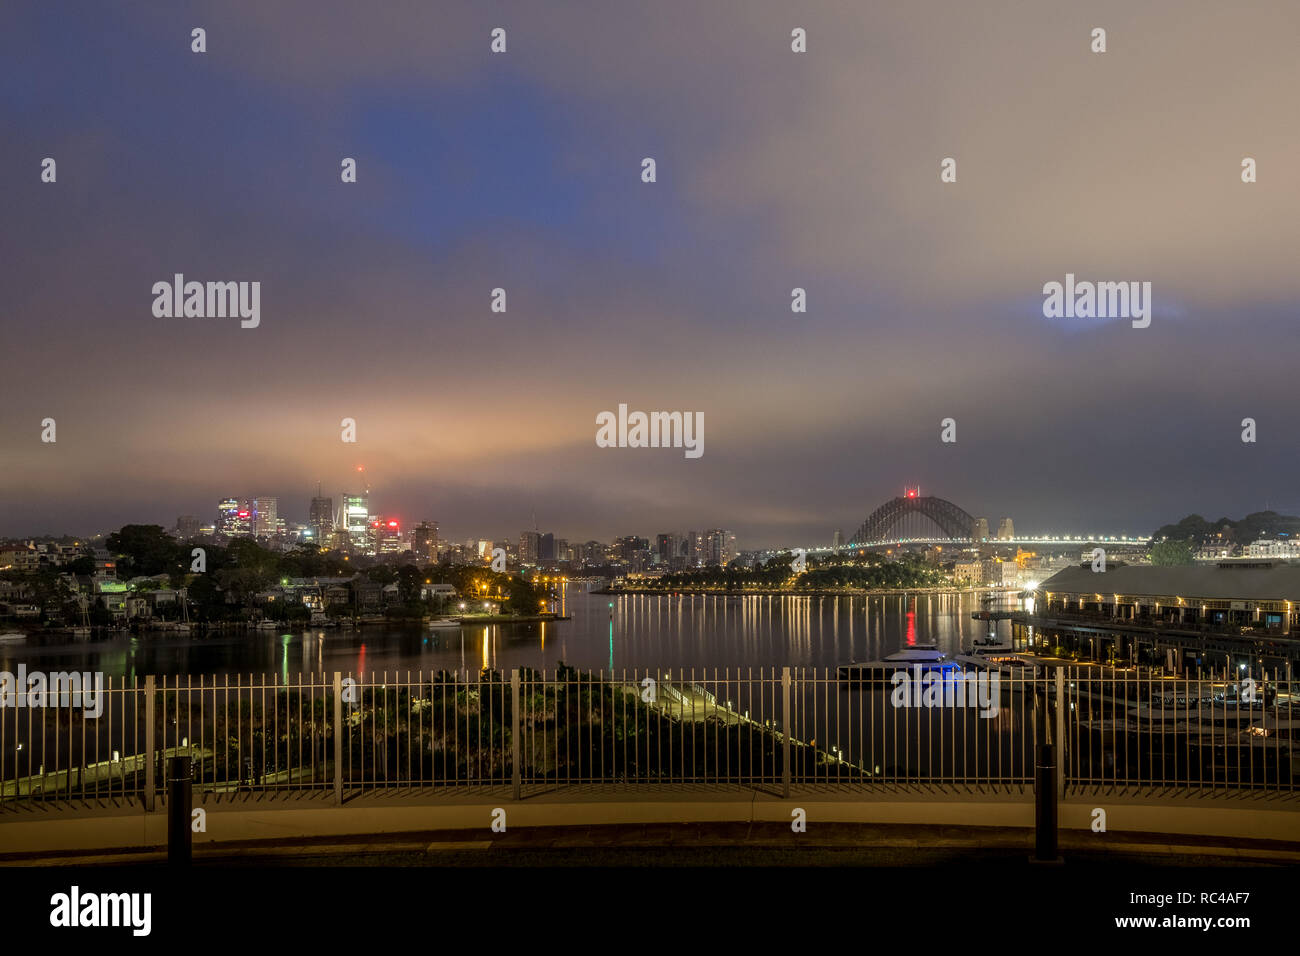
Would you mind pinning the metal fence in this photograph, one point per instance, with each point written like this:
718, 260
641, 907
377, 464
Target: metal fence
536, 730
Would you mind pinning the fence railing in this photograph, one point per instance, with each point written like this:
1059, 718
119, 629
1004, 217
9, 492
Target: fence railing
538, 730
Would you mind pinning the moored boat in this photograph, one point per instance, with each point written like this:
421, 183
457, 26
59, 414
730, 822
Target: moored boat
918, 659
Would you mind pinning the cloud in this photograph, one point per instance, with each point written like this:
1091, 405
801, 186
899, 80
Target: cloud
818, 170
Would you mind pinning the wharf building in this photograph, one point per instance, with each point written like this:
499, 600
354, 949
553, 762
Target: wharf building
1241, 615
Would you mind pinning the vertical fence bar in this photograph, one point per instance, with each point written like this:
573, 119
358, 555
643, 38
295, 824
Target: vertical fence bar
515, 725
1060, 730
150, 756
338, 738
785, 732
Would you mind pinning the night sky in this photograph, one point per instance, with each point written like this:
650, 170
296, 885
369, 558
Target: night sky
522, 171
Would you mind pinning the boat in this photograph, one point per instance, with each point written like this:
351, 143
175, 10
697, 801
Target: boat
991, 642
12, 637
1006, 663
266, 626
919, 658
444, 622
994, 654
1281, 734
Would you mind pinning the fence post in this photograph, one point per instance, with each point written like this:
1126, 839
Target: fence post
785, 731
338, 738
151, 756
1045, 809
1060, 731
180, 798
514, 732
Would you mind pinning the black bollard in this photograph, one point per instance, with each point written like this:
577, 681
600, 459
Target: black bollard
1045, 812
180, 794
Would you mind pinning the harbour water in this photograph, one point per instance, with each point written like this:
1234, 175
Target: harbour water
606, 632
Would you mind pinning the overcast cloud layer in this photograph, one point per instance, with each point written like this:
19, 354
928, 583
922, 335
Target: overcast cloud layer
775, 170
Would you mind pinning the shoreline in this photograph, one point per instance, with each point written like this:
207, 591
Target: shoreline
201, 629
807, 592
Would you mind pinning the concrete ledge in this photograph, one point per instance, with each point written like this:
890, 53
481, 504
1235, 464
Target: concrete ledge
238, 818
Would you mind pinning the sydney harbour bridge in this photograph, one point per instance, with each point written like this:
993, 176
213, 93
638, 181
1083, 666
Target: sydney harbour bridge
913, 518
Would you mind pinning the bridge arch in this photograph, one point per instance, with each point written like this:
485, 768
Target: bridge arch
882, 525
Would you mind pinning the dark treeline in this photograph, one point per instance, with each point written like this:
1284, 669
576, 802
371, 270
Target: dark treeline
866, 571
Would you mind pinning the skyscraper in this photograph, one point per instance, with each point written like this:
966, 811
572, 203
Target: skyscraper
233, 516
263, 516
718, 547
530, 547
321, 519
628, 544
356, 520
386, 533
424, 540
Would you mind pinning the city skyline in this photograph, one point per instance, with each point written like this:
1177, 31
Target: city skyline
997, 526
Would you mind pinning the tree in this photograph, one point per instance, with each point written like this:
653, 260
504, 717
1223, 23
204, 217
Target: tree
1171, 553
147, 549
409, 581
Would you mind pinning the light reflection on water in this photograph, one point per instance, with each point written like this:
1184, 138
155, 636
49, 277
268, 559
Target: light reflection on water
645, 632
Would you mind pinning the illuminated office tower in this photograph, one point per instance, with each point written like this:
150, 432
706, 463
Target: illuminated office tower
355, 520
263, 515
386, 534
233, 516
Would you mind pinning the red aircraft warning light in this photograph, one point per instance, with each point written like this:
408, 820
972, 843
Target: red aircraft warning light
913, 492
